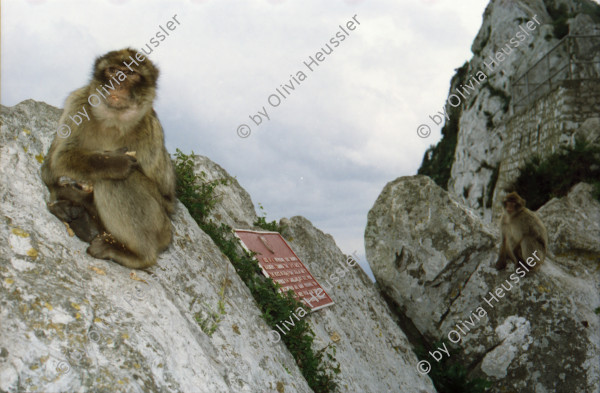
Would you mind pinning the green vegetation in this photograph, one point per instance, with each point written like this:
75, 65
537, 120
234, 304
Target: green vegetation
541, 180
560, 15
261, 222
438, 159
319, 368
197, 196
560, 18
206, 324
484, 42
210, 323
592, 9
451, 377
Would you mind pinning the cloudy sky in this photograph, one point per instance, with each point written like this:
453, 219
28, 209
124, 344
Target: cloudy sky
328, 148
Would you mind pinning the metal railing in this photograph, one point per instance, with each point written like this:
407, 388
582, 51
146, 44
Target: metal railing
575, 58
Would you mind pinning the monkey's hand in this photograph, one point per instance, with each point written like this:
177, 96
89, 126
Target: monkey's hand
115, 165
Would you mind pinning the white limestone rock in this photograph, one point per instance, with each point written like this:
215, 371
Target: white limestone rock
434, 257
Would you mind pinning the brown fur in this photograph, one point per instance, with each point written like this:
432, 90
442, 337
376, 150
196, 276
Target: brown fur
132, 197
522, 233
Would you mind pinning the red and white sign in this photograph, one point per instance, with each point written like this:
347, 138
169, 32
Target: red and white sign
279, 262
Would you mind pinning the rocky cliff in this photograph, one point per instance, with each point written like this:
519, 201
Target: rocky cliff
434, 250
481, 98
69, 322
528, 334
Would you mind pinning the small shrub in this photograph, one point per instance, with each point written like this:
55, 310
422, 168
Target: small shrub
451, 377
438, 159
541, 180
561, 28
261, 222
592, 9
560, 17
194, 191
319, 368
210, 323
484, 42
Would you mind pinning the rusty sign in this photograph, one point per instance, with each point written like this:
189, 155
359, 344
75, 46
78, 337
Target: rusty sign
279, 262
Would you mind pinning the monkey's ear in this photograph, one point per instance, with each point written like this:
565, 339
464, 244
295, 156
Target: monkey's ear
97, 70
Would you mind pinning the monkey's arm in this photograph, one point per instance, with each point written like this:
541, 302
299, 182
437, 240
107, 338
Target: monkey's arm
67, 157
168, 189
503, 255
505, 251
535, 229
165, 181
79, 164
156, 162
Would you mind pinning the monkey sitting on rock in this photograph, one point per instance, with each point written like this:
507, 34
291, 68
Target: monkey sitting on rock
523, 234
112, 180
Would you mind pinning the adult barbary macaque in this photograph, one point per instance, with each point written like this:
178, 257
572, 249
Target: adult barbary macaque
112, 179
523, 234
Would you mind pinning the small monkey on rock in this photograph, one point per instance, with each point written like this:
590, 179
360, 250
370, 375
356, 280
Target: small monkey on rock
523, 234
112, 180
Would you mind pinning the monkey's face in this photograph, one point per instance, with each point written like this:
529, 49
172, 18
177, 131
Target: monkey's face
510, 206
121, 97
513, 203
125, 80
